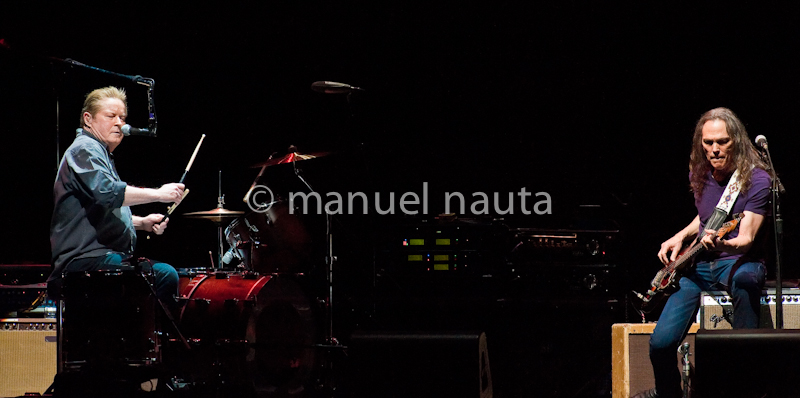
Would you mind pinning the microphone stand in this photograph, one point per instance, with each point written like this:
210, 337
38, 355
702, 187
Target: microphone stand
152, 120
327, 87
686, 373
146, 81
777, 225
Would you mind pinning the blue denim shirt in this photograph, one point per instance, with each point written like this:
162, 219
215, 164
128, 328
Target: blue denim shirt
88, 217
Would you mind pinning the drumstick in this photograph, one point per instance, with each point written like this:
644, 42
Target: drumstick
189, 166
183, 177
171, 209
174, 205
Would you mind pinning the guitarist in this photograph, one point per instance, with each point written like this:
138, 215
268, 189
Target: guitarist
734, 263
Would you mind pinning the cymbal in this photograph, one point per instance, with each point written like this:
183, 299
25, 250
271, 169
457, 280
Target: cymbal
216, 215
291, 157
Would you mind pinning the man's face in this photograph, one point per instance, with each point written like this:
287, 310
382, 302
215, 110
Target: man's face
718, 145
107, 122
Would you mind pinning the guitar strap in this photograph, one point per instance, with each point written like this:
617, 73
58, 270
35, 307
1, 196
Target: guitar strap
726, 202
721, 212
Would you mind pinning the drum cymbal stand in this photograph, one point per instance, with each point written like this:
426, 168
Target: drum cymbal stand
219, 215
220, 237
331, 342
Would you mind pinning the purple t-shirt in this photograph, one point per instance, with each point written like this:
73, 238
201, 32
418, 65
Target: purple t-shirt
756, 200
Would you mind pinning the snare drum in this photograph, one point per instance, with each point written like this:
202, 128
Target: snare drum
109, 318
259, 328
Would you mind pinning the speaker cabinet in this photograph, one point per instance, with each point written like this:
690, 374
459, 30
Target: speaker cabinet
413, 364
631, 370
749, 363
28, 353
716, 310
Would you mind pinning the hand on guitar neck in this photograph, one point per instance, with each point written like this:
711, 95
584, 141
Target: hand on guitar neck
667, 278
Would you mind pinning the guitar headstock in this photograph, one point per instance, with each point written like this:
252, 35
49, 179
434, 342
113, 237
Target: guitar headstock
730, 225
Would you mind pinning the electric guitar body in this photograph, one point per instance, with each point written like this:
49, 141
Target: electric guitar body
666, 280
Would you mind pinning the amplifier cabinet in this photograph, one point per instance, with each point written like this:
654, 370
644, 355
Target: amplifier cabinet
747, 363
28, 355
716, 309
631, 370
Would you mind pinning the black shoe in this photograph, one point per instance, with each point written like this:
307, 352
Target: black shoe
651, 393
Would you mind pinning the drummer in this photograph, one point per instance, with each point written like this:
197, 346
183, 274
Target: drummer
92, 227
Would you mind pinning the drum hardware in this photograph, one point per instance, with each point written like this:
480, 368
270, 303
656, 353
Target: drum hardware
258, 177
270, 241
329, 87
192, 272
249, 275
217, 215
331, 342
197, 300
330, 259
169, 316
221, 275
252, 227
231, 302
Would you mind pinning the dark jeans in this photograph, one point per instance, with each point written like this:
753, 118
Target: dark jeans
164, 275
681, 310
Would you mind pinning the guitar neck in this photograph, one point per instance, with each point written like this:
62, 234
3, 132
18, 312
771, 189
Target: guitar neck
689, 254
686, 256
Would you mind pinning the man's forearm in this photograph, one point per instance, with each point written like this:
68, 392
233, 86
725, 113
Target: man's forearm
138, 222
690, 231
137, 196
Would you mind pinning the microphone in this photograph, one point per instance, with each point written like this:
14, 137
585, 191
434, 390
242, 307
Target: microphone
326, 87
761, 141
229, 256
129, 130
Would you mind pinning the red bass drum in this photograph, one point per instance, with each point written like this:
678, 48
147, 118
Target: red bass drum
248, 328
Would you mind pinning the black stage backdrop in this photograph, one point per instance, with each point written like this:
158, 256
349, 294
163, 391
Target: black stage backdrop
593, 103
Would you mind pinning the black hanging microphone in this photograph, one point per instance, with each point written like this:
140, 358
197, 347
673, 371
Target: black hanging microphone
327, 87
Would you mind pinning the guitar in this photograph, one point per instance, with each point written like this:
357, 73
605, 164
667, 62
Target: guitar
667, 279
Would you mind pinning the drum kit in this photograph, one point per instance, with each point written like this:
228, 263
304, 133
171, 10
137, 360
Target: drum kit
247, 320
266, 240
